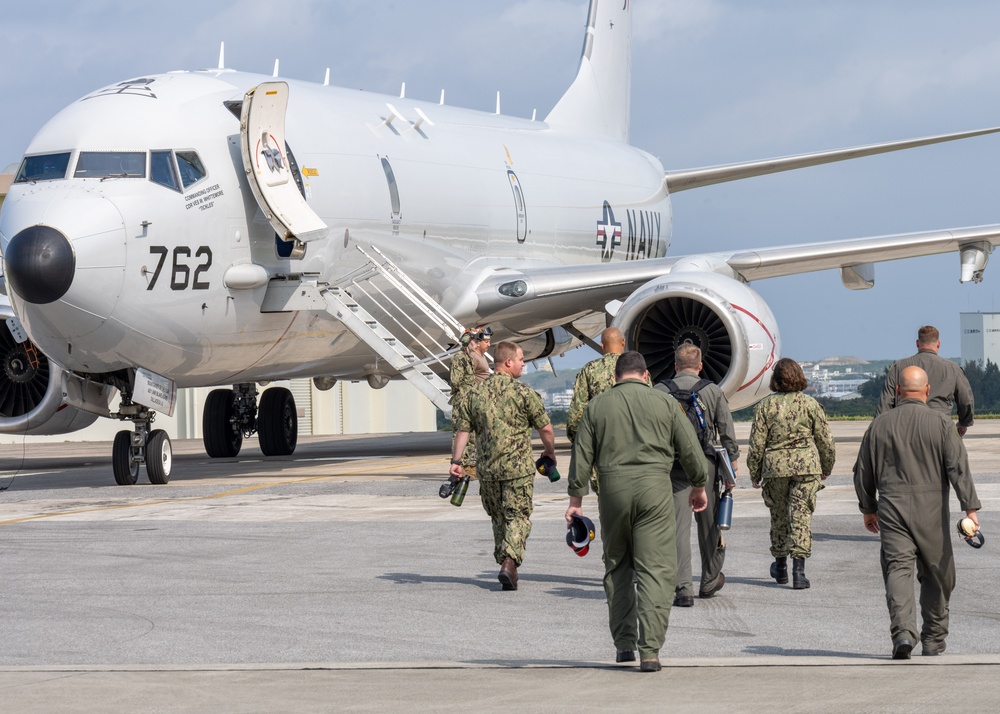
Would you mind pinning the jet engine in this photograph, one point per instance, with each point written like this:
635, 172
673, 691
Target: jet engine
31, 394
733, 326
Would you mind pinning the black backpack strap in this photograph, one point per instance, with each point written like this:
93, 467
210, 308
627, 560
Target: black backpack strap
671, 386
701, 384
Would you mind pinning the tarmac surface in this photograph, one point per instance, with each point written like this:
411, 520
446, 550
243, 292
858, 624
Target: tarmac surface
337, 580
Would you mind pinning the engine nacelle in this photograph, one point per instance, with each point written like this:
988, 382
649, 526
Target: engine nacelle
733, 326
31, 391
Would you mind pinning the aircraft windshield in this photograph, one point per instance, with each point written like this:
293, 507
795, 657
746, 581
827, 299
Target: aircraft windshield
190, 167
111, 164
45, 167
161, 169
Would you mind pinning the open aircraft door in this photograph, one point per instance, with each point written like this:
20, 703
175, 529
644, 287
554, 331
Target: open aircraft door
262, 139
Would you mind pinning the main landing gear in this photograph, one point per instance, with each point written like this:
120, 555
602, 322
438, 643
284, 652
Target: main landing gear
146, 446
232, 414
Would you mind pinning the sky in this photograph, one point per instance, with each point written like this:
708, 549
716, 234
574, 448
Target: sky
714, 81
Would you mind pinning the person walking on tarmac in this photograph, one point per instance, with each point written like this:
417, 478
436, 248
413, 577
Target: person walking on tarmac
791, 454
469, 367
948, 382
502, 412
719, 425
630, 435
908, 457
596, 377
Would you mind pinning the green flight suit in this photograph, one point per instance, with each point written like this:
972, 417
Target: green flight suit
630, 434
949, 385
790, 448
503, 411
711, 546
908, 458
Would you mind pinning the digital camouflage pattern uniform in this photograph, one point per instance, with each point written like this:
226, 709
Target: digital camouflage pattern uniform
596, 377
630, 435
462, 376
503, 412
949, 385
790, 447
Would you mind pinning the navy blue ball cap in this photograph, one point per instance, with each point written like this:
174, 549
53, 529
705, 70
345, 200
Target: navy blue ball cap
580, 534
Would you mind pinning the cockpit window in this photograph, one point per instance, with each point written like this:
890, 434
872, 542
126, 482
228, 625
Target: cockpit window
191, 168
44, 167
161, 169
111, 164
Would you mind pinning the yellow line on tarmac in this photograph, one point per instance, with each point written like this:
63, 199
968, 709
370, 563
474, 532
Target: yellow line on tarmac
222, 494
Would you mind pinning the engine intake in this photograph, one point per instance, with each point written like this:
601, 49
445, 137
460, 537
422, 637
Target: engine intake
733, 326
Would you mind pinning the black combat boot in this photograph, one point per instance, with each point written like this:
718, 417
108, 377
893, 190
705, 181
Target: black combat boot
779, 570
799, 580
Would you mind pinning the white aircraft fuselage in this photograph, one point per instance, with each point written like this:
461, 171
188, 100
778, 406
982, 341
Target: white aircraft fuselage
149, 262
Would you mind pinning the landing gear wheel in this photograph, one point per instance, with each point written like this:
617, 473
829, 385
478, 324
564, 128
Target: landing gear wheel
126, 470
222, 438
159, 456
277, 422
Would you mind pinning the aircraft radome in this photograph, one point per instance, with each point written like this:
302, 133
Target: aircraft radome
212, 227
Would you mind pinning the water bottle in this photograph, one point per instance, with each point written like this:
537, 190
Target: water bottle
460, 488
724, 518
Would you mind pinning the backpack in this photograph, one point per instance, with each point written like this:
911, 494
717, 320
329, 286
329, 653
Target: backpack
688, 399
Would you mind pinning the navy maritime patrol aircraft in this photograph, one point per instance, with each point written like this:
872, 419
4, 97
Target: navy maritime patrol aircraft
212, 227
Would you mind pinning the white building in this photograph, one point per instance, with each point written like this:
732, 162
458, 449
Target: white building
980, 337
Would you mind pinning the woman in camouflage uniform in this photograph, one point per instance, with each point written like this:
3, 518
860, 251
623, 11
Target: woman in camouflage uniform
791, 454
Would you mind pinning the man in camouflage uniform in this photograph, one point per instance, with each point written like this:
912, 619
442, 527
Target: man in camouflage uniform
907, 459
503, 411
630, 435
948, 382
469, 367
596, 377
719, 425
791, 454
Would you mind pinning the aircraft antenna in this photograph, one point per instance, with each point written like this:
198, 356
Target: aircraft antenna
442, 98
275, 68
402, 91
533, 113
326, 79
498, 102
222, 55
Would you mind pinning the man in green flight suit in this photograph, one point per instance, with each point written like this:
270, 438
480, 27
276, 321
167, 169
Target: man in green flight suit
948, 382
908, 457
502, 412
630, 435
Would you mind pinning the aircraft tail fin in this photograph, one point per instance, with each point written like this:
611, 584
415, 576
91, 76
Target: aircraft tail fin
598, 101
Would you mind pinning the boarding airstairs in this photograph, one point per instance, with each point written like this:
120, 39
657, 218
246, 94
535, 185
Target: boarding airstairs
400, 321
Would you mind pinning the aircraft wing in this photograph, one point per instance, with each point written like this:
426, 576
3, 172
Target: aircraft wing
696, 178
856, 256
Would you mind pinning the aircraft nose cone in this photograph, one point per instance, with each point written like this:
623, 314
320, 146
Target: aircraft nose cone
40, 264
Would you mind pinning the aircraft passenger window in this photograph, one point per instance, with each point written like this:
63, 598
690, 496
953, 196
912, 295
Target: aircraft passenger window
161, 170
191, 168
44, 167
111, 164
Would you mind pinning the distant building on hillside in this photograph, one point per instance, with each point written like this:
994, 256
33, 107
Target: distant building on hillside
980, 337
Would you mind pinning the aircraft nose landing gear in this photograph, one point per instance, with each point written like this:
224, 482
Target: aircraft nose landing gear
132, 449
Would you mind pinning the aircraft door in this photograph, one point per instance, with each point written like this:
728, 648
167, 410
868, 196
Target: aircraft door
266, 162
